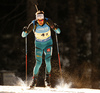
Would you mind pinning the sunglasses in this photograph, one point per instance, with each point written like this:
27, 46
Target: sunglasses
40, 20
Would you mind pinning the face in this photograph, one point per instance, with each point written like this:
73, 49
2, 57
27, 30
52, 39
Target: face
40, 21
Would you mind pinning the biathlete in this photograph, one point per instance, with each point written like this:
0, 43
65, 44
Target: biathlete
43, 44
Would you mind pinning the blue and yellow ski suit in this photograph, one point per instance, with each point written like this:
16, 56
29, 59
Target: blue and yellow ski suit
43, 44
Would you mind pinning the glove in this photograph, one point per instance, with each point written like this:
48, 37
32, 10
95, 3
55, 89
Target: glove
57, 31
24, 34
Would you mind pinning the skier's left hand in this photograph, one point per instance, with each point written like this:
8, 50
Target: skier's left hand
57, 31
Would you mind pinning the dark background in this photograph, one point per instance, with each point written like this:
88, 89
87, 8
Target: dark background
79, 41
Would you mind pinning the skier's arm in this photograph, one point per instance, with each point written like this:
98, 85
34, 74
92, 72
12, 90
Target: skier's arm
27, 30
54, 26
30, 28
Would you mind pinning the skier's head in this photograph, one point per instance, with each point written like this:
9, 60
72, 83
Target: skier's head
40, 17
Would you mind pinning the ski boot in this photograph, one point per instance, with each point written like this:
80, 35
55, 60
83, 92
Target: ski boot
47, 80
34, 82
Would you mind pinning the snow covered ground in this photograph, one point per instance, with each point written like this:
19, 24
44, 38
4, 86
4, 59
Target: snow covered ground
23, 89
61, 87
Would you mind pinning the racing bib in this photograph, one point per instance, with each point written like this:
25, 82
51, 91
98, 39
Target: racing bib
43, 33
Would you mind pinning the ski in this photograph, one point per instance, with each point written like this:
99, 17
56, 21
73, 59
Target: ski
38, 88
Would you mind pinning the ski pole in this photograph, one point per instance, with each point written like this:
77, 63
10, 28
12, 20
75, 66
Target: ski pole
26, 57
58, 55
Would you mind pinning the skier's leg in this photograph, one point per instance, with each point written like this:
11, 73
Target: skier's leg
38, 56
48, 54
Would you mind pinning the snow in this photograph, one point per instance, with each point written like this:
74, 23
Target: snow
61, 87
23, 89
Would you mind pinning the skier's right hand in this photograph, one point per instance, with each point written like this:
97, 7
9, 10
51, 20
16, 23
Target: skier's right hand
24, 34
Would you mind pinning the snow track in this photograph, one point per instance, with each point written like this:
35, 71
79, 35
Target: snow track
24, 89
